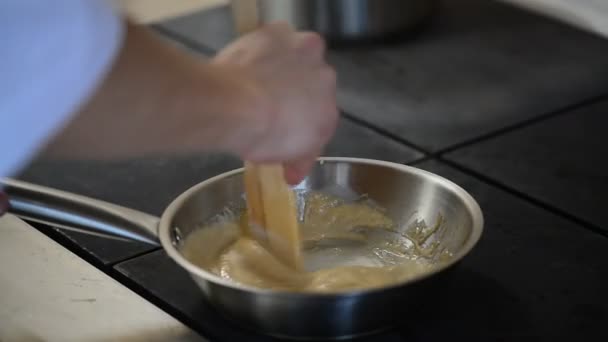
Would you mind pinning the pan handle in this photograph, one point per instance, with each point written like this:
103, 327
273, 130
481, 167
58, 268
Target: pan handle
74, 212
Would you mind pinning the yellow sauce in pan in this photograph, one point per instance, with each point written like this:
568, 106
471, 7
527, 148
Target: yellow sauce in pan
346, 246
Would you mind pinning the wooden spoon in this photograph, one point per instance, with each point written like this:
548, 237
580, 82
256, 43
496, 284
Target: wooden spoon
271, 207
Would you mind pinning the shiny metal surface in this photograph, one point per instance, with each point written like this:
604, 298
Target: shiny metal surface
409, 194
70, 211
406, 192
349, 19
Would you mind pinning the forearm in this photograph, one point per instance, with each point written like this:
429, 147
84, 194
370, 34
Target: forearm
160, 100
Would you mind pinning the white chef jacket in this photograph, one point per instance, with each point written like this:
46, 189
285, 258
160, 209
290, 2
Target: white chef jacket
53, 55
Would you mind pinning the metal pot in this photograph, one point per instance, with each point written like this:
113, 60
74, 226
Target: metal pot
404, 191
349, 19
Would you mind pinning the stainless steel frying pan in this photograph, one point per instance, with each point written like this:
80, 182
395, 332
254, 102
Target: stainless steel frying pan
406, 193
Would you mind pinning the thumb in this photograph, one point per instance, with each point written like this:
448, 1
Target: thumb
296, 171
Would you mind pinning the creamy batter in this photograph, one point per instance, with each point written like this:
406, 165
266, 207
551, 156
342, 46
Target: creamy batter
346, 246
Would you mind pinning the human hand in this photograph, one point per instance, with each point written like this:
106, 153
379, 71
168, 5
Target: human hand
295, 95
267, 97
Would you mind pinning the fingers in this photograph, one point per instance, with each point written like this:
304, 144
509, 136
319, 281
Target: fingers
301, 39
329, 80
276, 34
278, 28
290, 70
310, 44
296, 171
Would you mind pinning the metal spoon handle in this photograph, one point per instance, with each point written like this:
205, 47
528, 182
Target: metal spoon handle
74, 212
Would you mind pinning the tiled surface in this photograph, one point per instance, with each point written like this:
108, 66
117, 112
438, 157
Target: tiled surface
150, 184
560, 161
352, 140
479, 66
533, 275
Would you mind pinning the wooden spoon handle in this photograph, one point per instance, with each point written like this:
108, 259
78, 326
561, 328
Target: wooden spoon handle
246, 15
271, 205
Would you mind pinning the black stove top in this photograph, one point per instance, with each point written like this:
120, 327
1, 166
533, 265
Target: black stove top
534, 274
507, 104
